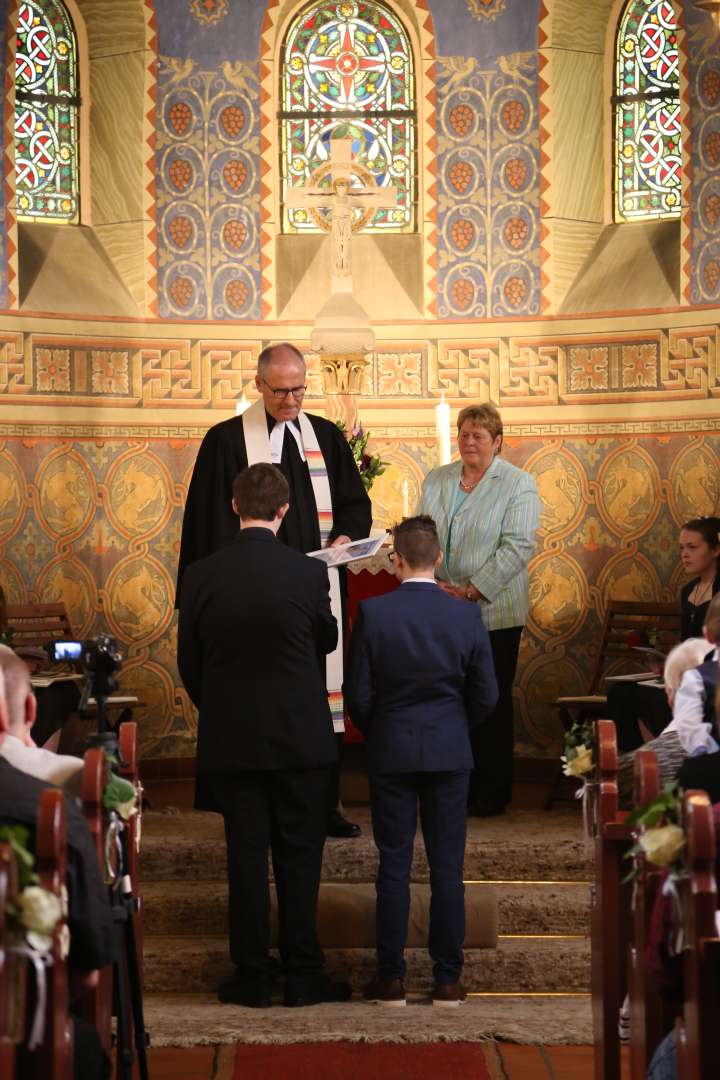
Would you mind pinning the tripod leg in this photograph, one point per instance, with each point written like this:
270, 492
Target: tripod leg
133, 976
123, 1049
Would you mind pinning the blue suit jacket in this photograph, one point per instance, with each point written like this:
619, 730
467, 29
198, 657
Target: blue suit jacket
419, 675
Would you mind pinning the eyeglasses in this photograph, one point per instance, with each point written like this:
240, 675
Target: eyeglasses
281, 392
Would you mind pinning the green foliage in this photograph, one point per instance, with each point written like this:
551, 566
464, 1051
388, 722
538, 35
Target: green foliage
17, 837
369, 466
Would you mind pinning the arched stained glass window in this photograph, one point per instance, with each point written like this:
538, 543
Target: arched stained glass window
347, 72
648, 162
46, 114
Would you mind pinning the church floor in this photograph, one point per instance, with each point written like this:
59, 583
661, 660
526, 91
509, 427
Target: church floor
494, 1061
529, 1010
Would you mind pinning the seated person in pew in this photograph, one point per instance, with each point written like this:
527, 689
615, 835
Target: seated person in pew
693, 707
631, 702
703, 771
89, 916
18, 746
665, 968
419, 678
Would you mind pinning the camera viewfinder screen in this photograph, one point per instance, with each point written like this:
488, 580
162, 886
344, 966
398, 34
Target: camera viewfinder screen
68, 650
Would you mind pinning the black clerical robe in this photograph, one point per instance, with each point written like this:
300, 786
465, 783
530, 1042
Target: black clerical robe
209, 522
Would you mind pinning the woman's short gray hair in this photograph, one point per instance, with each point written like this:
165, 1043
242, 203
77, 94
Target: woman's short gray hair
683, 657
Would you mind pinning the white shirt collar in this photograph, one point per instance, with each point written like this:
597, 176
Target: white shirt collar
424, 580
277, 436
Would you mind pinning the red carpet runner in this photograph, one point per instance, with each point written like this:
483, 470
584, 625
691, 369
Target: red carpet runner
361, 1061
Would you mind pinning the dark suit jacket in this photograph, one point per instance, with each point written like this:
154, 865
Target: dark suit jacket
255, 623
419, 675
89, 917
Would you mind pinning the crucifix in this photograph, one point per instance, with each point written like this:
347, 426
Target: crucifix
341, 199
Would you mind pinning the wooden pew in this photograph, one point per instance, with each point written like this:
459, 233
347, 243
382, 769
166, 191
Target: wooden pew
53, 1060
13, 970
697, 1031
96, 1005
648, 1023
610, 907
130, 770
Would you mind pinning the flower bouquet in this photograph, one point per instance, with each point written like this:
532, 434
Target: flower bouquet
370, 466
659, 836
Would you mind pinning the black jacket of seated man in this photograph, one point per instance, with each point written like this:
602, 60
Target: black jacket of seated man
89, 917
255, 623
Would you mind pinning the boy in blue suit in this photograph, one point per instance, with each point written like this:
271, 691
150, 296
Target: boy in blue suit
419, 676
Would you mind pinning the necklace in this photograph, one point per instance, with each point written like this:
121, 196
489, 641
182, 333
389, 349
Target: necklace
469, 487
701, 592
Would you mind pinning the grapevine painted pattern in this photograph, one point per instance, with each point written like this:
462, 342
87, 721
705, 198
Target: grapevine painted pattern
648, 162
348, 73
46, 113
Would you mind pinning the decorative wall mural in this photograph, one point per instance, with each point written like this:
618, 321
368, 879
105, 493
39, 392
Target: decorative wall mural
485, 9
704, 95
118, 573
209, 11
207, 191
488, 176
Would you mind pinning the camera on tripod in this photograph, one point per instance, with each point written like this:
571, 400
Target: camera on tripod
99, 658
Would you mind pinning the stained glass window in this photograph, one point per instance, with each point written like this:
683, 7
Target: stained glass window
347, 72
46, 113
648, 162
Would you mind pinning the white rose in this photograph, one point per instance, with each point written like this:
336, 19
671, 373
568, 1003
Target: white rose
127, 809
662, 845
39, 910
582, 763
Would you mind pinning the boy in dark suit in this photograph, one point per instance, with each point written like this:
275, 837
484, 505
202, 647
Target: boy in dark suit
419, 676
255, 624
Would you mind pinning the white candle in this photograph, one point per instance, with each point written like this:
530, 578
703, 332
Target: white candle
442, 429
241, 406
405, 499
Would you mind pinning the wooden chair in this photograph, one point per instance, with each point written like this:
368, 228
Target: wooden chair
13, 969
698, 1044
53, 1059
623, 619
609, 907
37, 624
96, 1005
648, 1022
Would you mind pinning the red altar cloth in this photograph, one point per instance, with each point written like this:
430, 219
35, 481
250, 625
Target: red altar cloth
362, 586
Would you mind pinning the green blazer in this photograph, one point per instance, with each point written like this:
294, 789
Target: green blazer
493, 536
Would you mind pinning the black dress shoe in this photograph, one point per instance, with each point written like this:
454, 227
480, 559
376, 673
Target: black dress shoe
252, 993
314, 990
340, 828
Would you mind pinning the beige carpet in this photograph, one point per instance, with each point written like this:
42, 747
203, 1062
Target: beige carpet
198, 1020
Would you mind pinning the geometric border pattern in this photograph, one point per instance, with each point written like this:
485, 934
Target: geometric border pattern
515, 371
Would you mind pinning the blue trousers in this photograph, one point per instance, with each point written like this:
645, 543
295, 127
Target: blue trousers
394, 799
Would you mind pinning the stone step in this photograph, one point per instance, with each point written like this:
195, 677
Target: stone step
519, 964
192, 908
522, 845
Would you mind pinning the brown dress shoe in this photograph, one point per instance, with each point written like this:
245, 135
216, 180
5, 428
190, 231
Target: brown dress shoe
385, 992
449, 995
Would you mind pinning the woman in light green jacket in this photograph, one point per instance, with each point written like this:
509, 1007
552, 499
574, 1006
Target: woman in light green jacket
487, 512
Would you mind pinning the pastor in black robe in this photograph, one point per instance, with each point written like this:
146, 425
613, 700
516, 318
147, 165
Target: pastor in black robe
210, 523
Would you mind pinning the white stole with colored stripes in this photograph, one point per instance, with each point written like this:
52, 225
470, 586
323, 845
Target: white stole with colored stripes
257, 445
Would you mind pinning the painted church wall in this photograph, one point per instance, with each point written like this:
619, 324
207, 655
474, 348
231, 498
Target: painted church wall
617, 416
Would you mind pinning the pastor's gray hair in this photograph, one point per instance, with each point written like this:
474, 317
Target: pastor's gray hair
266, 355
